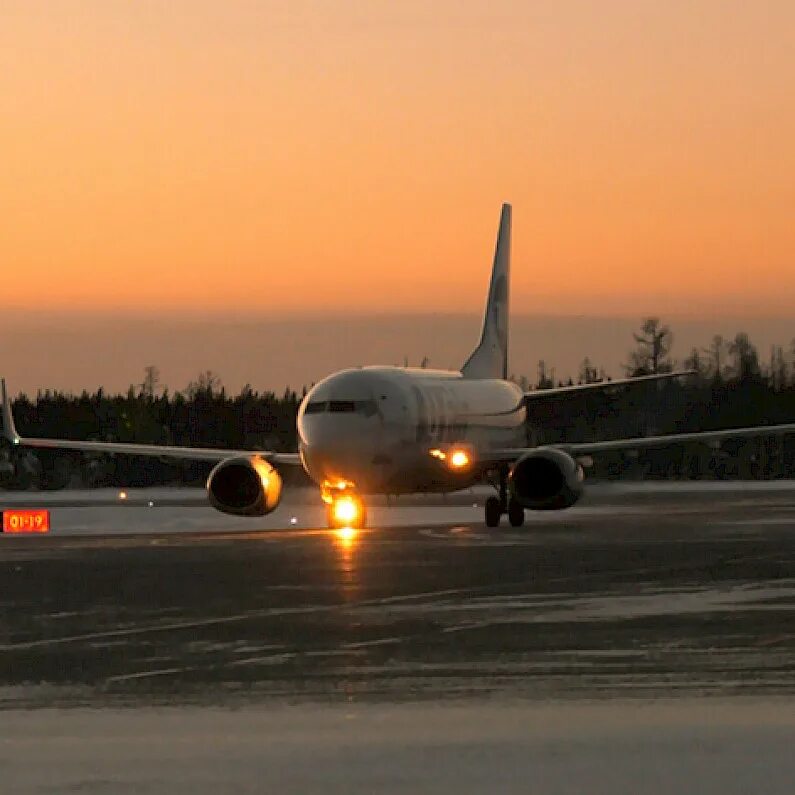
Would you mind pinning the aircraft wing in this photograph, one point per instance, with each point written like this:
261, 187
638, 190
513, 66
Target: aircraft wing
541, 394
704, 437
509, 455
158, 451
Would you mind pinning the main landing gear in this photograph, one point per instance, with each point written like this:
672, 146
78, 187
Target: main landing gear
497, 506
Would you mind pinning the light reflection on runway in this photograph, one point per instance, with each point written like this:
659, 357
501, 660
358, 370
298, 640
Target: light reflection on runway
677, 593
643, 631
171, 511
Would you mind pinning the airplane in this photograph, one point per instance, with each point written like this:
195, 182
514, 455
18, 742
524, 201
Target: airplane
402, 430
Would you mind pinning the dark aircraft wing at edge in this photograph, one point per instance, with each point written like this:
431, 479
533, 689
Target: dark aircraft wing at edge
542, 394
509, 455
704, 437
157, 451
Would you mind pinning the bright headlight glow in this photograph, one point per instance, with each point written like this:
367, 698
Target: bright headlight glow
455, 458
346, 511
459, 459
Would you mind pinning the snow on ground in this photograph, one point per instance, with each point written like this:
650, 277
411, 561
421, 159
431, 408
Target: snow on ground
691, 486
175, 510
102, 511
617, 748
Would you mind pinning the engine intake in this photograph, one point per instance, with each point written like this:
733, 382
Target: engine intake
546, 479
244, 486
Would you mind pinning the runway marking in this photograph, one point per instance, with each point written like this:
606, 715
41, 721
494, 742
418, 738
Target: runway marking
264, 659
145, 674
363, 644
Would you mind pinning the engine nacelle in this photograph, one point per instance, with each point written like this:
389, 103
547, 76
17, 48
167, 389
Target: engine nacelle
247, 486
546, 479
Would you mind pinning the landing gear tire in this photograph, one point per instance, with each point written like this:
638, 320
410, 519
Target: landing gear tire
515, 513
493, 512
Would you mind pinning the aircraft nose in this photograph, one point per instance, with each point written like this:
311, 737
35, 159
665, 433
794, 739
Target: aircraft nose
326, 433
316, 432
340, 426
340, 444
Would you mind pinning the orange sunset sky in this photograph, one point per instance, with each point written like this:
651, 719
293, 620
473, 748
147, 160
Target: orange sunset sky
262, 158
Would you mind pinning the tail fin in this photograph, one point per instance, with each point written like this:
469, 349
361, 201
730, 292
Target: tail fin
490, 358
9, 430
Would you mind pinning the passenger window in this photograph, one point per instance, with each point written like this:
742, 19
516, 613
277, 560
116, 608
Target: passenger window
316, 407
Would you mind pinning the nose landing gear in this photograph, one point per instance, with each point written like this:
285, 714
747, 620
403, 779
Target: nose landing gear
344, 508
346, 511
497, 506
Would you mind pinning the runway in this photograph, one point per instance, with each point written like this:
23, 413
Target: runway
653, 592
650, 628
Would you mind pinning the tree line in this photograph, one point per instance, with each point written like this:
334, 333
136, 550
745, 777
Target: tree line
730, 386
735, 359
202, 415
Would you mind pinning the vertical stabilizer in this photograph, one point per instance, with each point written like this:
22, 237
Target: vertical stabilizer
9, 431
490, 358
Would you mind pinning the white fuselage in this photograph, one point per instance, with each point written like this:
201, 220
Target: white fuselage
374, 427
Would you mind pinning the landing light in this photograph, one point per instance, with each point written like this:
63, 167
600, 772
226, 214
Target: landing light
346, 511
122, 495
459, 459
456, 458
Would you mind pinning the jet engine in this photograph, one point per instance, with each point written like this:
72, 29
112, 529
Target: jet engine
546, 479
247, 486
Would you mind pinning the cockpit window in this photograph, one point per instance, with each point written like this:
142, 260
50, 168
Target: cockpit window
365, 407
342, 406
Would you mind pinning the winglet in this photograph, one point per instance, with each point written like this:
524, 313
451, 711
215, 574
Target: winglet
9, 429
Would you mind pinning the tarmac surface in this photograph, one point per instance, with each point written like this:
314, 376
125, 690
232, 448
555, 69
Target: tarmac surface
643, 641
652, 592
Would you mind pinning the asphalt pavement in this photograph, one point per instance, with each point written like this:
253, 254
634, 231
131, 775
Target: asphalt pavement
641, 642
655, 592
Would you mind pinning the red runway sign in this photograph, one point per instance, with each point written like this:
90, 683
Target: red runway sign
19, 520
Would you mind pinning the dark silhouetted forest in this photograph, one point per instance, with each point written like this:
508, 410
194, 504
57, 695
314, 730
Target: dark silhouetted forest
204, 415
731, 386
